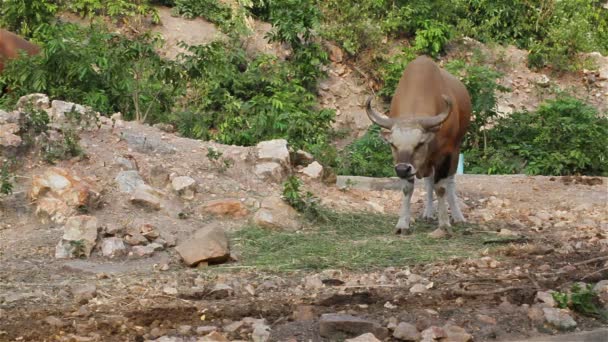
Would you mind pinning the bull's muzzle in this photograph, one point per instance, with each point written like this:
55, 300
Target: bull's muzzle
404, 170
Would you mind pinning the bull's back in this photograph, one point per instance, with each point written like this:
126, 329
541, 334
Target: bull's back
11, 44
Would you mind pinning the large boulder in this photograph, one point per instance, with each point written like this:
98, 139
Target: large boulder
274, 151
209, 245
276, 214
8, 136
79, 237
59, 193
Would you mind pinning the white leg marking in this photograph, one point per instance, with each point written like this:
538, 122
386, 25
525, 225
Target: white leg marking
429, 209
403, 225
453, 200
442, 205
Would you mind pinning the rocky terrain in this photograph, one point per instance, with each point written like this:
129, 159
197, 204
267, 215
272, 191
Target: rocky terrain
133, 240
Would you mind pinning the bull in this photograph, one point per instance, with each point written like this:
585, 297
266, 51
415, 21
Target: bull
429, 115
10, 46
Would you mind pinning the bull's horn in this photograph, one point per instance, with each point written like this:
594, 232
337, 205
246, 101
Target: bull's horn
434, 121
381, 120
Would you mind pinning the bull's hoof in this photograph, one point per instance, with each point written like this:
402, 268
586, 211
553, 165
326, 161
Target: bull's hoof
403, 231
440, 234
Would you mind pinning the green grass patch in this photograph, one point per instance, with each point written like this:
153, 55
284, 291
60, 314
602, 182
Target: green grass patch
356, 241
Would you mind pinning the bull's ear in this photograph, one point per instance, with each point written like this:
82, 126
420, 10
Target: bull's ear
385, 135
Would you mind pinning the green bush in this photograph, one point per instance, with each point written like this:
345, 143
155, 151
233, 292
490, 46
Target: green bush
25, 16
562, 137
214, 11
368, 156
116, 10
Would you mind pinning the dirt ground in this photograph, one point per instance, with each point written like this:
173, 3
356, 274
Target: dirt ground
142, 298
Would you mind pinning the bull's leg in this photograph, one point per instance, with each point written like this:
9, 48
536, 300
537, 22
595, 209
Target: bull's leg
453, 200
429, 209
403, 225
442, 206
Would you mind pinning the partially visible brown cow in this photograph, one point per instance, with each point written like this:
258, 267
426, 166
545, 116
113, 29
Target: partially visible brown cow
429, 116
11, 44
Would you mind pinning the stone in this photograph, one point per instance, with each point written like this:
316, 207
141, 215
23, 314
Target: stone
274, 151
165, 127
269, 171
418, 288
39, 101
135, 238
148, 231
143, 251
79, 237
336, 325
146, 197
169, 239
113, 229
55, 322
313, 282
438, 234
59, 193
184, 329
406, 332
8, 138
225, 207
9, 117
128, 181
221, 291
276, 214
432, 333
205, 329
559, 318
126, 163
545, 297
303, 158
543, 80
456, 334
535, 313
601, 288
335, 53
486, 319
60, 108
112, 247
261, 333
184, 186
314, 170
208, 245
368, 337
84, 292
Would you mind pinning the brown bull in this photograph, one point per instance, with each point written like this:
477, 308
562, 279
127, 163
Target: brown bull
429, 116
11, 44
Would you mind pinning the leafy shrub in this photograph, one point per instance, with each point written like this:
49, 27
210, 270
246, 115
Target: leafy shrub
432, 37
6, 179
240, 101
368, 156
214, 11
117, 10
563, 137
582, 300
106, 71
25, 16
306, 203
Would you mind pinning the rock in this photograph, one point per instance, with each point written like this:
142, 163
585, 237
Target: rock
208, 244
55, 322
456, 334
437, 234
172, 291
369, 337
559, 318
601, 288
39, 101
418, 288
127, 163
84, 292
269, 171
214, 337
113, 229
79, 237
135, 238
486, 319
433, 333
184, 186
261, 333
169, 239
184, 329
112, 247
147, 197
276, 214
59, 193
128, 181
159, 176
221, 291
335, 325
8, 138
545, 297
60, 108
225, 207
206, 329
9, 117
148, 231
543, 80
274, 151
335, 53
304, 313
314, 170
313, 282
406, 332
536, 314
303, 158
143, 251
165, 127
